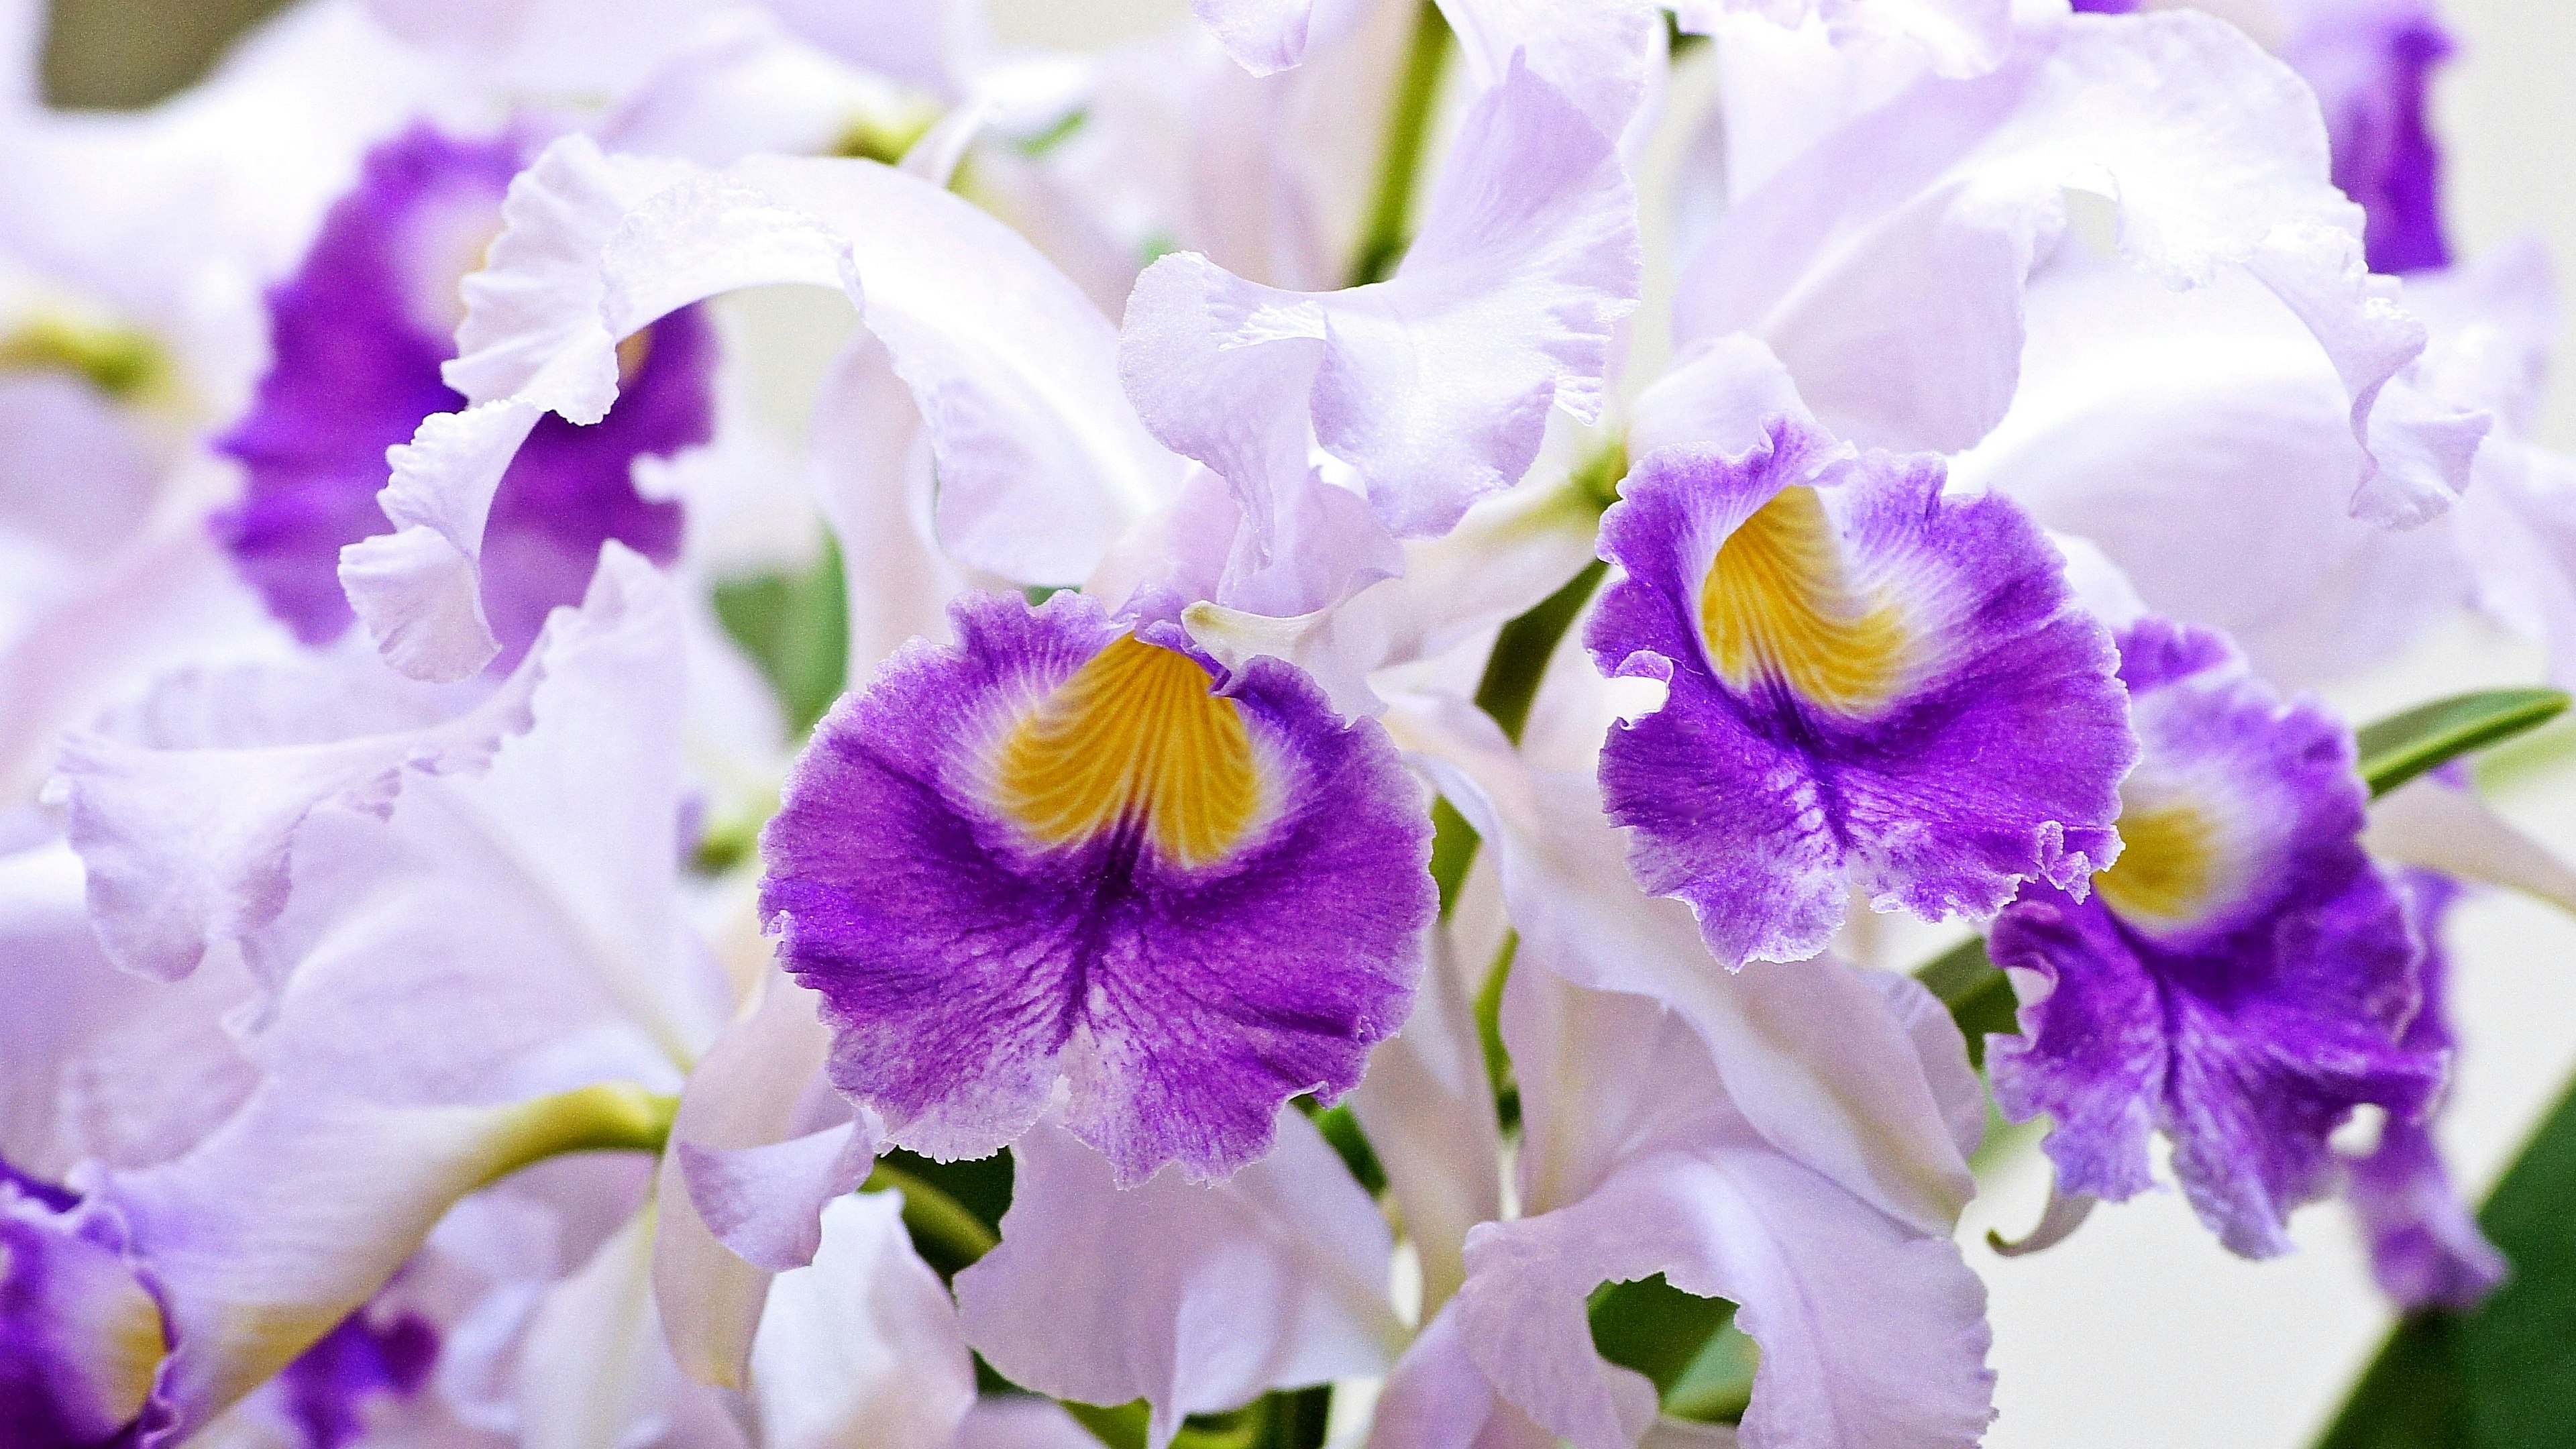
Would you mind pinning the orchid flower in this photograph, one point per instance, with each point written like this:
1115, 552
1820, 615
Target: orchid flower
1360, 759
1851, 662
1038, 484
1650, 1075
360, 332
2240, 979
1897, 310
313, 1188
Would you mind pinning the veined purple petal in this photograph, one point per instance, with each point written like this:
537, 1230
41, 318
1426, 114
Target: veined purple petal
2371, 62
1870, 685
2425, 1246
2239, 980
328, 1388
1050, 853
359, 333
80, 1336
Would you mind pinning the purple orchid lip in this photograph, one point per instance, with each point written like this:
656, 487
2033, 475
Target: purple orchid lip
2426, 1249
358, 335
1054, 852
80, 1333
1869, 683
2240, 980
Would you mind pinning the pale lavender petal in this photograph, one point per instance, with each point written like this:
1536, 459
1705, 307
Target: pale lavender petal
485, 942
104, 1065
1822, 1062
1263, 36
2139, 415
759, 1087
1505, 556
2438, 827
1021, 1421
1427, 1106
765, 1202
1896, 307
1870, 1332
1193, 1297
187, 835
1606, 57
1437, 1398
1957, 37
863, 1346
1436, 385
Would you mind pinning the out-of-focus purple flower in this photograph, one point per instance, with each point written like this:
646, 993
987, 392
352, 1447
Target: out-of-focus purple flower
2241, 979
327, 1389
2425, 1247
1058, 851
359, 335
2371, 63
80, 1334
1869, 685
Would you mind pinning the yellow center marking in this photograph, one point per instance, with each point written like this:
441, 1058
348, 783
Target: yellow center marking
1777, 603
2168, 866
1134, 738
631, 354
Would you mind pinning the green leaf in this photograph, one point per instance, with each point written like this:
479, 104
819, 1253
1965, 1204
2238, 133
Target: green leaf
1389, 227
796, 627
2505, 1374
1700, 1363
1979, 995
1489, 1030
949, 1233
1341, 1132
2403, 746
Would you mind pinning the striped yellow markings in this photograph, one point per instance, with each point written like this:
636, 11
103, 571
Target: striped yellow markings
1778, 603
1134, 739
2168, 866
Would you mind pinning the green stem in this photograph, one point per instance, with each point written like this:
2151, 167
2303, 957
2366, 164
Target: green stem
949, 1236
1521, 652
602, 1117
1408, 129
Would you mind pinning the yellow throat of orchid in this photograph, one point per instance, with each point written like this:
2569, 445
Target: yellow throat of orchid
1136, 737
2168, 866
1779, 603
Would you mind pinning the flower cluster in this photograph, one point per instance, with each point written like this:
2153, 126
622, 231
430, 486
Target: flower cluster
755, 724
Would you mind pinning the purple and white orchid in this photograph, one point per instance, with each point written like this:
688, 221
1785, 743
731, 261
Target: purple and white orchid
752, 724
